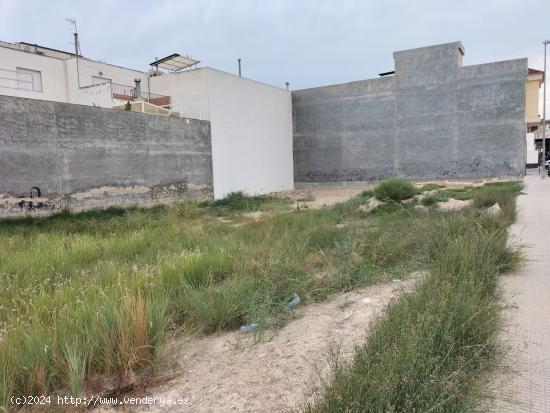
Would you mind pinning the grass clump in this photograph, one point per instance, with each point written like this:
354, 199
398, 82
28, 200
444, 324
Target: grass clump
241, 202
394, 190
434, 199
429, 349
430, 187
498, 193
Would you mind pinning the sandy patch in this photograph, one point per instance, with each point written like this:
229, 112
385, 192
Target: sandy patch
236, 372
326, 195
256, 215
371, 205
322, 195
453, 204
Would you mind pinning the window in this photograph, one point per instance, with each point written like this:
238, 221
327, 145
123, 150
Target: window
29, 79
98, 80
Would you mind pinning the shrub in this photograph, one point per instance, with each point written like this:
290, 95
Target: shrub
394, 190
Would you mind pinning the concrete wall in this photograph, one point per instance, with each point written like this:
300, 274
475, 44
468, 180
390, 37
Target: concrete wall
251, 135
433, 119
82, 157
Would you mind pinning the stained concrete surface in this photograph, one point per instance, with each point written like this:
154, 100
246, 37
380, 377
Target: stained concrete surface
525, 385
83, 157
433, 119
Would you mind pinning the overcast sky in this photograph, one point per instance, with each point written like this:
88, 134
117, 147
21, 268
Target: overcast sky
306, 42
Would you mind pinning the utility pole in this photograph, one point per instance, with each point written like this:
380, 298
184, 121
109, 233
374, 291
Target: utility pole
76, 46
545, 43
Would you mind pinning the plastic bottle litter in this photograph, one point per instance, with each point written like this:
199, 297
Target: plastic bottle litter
294, 302
396, 280
249, 328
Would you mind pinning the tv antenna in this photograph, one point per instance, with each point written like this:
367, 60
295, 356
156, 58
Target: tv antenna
72, 20
77, 51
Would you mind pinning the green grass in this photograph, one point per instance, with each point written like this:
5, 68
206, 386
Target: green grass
431, 348
241, 202
100, 292
498, 193
394, 190
434, 199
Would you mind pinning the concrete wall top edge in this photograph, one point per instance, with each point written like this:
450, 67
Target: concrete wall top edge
385, 81
512, 64
456, 44
99, 109
243, 78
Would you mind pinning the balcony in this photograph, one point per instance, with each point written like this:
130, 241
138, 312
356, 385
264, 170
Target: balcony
125, 93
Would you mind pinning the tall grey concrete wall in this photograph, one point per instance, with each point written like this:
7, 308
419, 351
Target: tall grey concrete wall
433, 119
56, 155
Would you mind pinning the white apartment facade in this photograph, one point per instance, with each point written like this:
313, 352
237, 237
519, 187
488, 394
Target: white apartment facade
251, 122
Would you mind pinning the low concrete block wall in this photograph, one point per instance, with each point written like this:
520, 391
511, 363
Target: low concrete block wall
433, 119
58, 155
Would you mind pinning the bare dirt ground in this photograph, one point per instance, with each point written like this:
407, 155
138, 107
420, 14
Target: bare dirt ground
327, 195
280, 370
320, 196
454, 204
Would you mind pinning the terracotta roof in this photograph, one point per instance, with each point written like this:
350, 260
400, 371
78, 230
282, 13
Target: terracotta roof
535, 72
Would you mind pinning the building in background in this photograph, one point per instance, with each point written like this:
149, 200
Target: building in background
251, 122
429, 118
532, 118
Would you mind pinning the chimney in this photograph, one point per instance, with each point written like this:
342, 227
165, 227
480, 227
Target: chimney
138, 88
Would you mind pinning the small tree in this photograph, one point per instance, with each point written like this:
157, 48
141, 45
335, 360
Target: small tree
128, 107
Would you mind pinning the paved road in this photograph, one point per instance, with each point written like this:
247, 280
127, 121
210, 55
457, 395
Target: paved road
527, 319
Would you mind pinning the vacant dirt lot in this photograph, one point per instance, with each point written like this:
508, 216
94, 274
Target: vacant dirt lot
281, 369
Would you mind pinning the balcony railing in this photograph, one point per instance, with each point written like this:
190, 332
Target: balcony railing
128, 93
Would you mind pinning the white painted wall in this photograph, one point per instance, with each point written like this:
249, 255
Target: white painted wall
90, 68
188, 91
59, 78
251, 125
532, 153
54, 86
98, 95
